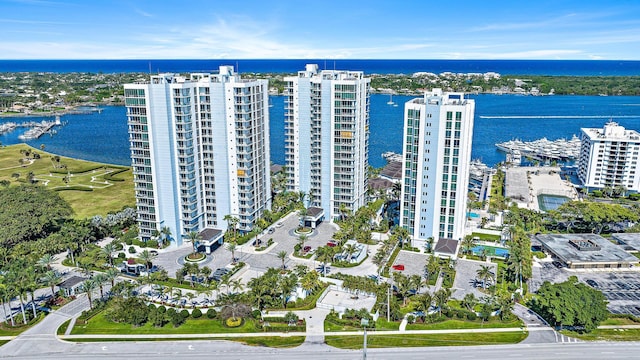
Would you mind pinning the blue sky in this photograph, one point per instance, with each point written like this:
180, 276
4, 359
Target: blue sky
328, 29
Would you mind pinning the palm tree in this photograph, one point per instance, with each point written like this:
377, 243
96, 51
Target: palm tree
147, 257
441, 297
232, 223
111, 275
51, 278
232, 246
166, 234
302, 238
108, 251
236, 285
88, 287
192, 269
194, 237
468, 243
484, 274
101, 279
469, 301
282, 255
424, 303
45, 261
350, 250
402, 235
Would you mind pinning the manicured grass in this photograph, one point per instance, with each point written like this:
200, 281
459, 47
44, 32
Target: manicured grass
461, 324
607, 335
619, 321
486, 237
412, 340
100, 325
102, 198
63, 328
266, 341
7, 330
271, 341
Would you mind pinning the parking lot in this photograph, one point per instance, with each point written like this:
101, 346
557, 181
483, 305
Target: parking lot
413, 262
622, 290
466, 278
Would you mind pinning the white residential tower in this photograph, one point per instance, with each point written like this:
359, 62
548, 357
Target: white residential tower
327, 137
200, 151
438, 130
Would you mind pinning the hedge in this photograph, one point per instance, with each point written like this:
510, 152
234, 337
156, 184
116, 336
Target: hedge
111, 176
75, 188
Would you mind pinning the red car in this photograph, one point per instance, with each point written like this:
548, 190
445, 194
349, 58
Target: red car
332, 243
398, 267
307, 249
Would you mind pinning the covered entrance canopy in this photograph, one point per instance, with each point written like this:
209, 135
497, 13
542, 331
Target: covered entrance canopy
211, 239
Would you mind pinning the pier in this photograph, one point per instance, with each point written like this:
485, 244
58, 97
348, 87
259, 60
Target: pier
543, 150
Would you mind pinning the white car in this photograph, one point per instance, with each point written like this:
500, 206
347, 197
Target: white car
279, 224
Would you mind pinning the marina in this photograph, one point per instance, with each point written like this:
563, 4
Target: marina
560, 150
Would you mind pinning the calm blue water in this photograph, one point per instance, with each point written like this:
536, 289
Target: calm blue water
103, 137
528, 67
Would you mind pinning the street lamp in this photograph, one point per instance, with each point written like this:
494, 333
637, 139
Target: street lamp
364, 323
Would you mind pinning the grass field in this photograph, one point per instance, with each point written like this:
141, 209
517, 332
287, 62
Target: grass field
460, 324
607, 335
412, 340
266, 341
100, 325
100, 196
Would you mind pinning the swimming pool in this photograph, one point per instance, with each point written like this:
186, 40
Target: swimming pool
490, 250
473, 215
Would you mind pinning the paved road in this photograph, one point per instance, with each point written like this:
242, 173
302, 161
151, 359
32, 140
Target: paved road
169, 350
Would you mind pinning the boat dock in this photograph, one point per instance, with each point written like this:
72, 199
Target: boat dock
543, 149
37, 128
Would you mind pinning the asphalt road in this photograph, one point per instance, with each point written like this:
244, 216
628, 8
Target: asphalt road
225, 350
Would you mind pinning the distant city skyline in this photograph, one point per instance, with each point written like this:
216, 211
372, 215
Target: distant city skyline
253, 29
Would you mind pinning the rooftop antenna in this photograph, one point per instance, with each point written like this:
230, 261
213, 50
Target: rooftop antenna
334, 65
325, 64
149, 67
237, 68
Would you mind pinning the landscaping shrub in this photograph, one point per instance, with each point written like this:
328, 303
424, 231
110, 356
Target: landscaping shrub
132, 250
471, 316
152, 244
74, 188
196, 313
184, 313
111, 176
211, 314
256, 314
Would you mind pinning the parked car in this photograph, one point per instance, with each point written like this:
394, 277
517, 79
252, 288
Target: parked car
219, 273
332, 243
271, 230
398, 267
306, 249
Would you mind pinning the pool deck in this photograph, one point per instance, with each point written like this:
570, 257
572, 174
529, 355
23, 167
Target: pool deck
524, 184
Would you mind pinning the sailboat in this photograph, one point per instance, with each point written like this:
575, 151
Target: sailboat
390, 102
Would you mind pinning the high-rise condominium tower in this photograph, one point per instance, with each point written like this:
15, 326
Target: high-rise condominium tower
200, 151
438, 129
609, 158
327, 138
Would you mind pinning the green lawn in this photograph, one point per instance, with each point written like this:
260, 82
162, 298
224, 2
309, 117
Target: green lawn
486, 237
412, 340
105, 195
266, 341
607, 335
100, 325
461, 324
7, 330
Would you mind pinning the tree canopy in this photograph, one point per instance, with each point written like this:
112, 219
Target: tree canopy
28, 212
571, 303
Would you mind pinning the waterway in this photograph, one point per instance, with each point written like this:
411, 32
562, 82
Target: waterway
103, 137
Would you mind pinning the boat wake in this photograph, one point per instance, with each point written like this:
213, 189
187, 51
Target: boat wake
560, 117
